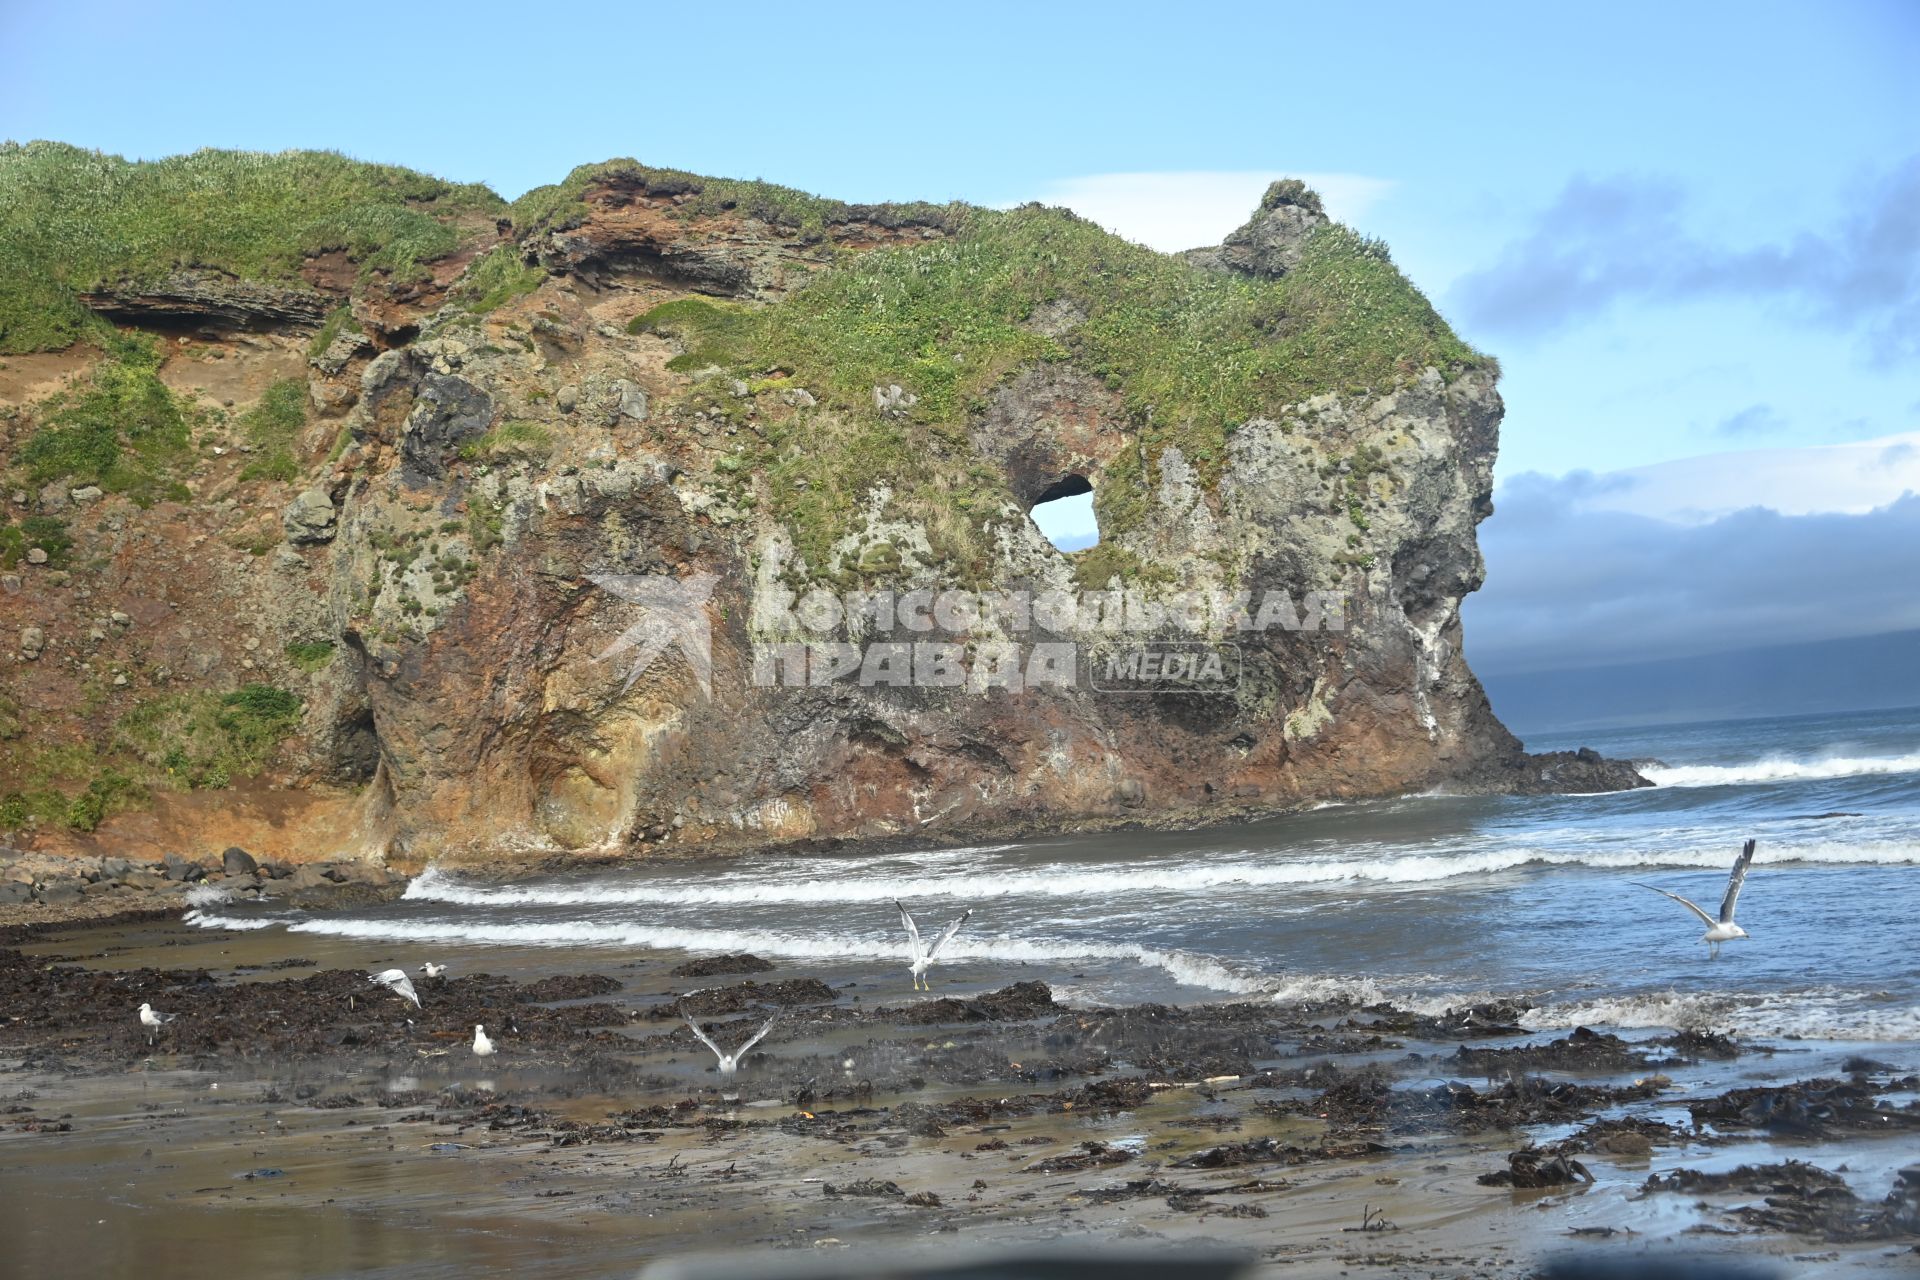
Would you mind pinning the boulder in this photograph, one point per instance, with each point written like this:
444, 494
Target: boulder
309, 518
361, 873
1627, 1143
56, 893
13, 894
32, 641
632, 400
309, 877
182, 870
238, 862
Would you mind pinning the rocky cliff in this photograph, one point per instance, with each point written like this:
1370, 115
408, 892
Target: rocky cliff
654, 511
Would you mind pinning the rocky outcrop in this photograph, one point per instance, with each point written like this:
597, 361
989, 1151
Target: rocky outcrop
212, 299
575, 603
639, 227
1272, 241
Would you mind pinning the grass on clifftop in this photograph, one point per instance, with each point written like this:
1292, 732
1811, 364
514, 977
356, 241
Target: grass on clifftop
1192, 353
72, 219
559, 205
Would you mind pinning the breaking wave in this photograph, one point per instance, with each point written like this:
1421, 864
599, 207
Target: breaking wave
1805, 1015
1195, 878
1779, 769
1188, 968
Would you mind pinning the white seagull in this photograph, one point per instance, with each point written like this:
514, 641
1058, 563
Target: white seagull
919, 955
482, 1046
730, 1062
396, 981
432, 970
152, 1019
1723, 929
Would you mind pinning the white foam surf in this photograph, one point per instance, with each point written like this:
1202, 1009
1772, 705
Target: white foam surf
1187, 968
1779, 769
1803, 1015
1280, 870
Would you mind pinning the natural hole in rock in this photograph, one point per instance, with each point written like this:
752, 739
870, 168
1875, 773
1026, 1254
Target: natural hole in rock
1064, 513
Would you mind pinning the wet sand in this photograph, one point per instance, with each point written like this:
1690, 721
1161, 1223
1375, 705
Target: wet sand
294, 1122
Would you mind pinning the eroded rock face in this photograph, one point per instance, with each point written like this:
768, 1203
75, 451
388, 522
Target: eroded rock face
214, 299
566, 614
446, 412
514, 716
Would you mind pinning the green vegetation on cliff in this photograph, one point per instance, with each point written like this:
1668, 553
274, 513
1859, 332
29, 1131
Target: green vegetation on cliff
71, 220
272, 431
1191, 352
121, 428
495, 279
49, 533
561, 205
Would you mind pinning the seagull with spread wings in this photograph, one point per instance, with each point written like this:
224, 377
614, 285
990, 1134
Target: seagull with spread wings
919, 955
396, 981
1723, 929
730, 1062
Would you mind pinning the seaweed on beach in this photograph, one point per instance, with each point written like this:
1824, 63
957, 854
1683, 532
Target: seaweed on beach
715, 966
1021, 1002
1807, 1108
792, 993
1803, 1199
1584, 1050
1272, 1151
1532, 1168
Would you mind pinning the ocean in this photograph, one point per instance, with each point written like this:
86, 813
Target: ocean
1428, 901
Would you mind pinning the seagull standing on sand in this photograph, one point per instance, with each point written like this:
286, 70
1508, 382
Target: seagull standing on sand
396, 981
1723, 929
920, 956
730, 1062
152, 1019
482, 1046
432, 970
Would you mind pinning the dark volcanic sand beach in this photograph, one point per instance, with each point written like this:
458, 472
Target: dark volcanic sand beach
294, 1122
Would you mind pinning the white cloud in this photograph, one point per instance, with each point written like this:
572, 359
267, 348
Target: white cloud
1186, 210
1845, 478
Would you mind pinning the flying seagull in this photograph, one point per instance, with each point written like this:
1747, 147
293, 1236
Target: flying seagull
1723, 929
482, 1045
396, 981
432, 970
153, 1020
730, 1062
920, 956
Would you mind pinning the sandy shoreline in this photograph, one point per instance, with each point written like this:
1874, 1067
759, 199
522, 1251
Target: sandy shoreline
293, 1112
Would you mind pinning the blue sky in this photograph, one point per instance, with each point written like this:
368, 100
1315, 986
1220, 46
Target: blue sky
1685, 229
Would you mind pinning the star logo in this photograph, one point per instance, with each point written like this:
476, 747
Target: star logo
670, 610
